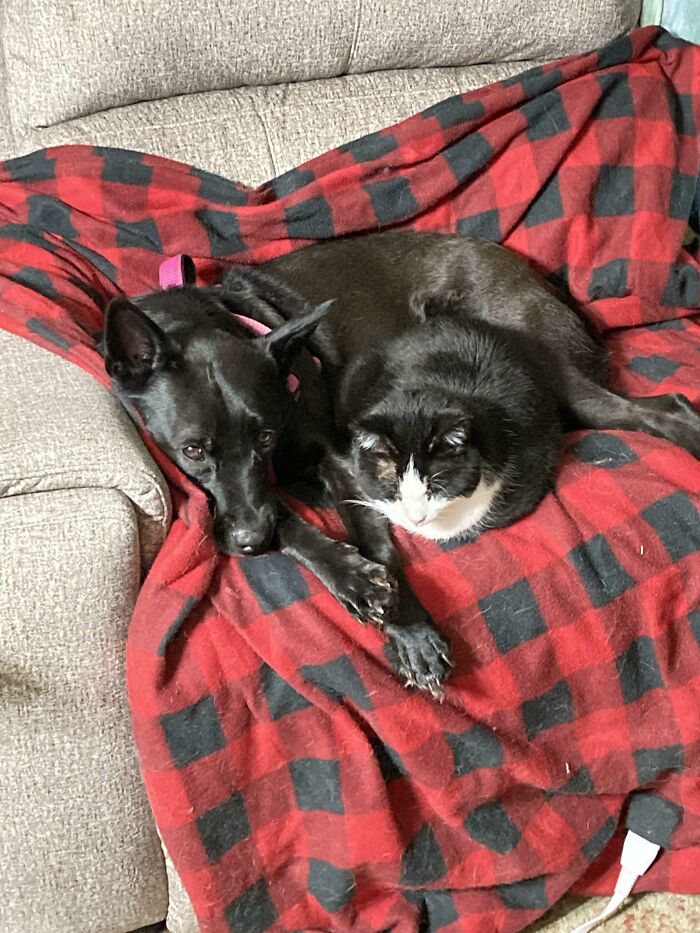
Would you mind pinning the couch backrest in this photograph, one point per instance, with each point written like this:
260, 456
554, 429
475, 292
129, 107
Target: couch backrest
68, 58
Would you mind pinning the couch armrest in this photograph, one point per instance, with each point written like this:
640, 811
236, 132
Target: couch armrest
60, 429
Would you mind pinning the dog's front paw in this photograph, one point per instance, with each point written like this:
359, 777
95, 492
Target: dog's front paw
420, 656
367, 590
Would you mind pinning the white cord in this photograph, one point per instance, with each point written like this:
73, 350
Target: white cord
637, 855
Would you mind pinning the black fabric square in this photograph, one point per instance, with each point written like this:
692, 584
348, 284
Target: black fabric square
604, 450
310, 219
222, 229
454, 110
683, 287
682, 193
614, 193
33, 167
545, 116
100, 263
291, 181
37, 280
23, 233
332, 887
674, 324
530, 894
124, 166
317, 784
478, 747
552, 708
37, 326
369, 147
143, 234
694, 619
653, 817
280, 696
437, 909
339, 679
617, 98
422, 862
193, 732
253, 911
615, 53
579, 783
491, 826
654, 367
681, 109
217, 189
467, 156
50, 215
600, 571
610, 280
512, 616
638, 669
535, 81
598, 841
546, 206
667, 41
391, 199
486, 225
676, 521
389, 761
275, 579
223, 827
177, 623
652, 762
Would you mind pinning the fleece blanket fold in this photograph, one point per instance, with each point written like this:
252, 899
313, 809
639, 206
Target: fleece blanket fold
296, 784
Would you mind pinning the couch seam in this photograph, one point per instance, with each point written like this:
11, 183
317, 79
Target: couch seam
355, 37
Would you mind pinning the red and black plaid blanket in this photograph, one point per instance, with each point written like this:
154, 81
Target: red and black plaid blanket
295, 783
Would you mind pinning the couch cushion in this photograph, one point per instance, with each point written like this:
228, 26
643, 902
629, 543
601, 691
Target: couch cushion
61, 430
254, 134
69, 58
80, 851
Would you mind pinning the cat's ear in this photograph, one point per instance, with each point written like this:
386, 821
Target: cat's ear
452, 435
367, 439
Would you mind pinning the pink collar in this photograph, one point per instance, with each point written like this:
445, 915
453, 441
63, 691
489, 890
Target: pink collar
180, 270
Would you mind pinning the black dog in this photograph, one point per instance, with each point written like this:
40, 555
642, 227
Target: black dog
214, 397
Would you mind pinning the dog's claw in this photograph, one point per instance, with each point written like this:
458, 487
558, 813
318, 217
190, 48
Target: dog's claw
448, 661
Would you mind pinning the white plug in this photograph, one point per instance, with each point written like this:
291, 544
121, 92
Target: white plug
637, 856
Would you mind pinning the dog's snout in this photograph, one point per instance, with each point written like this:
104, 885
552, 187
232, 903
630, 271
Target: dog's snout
247, 534
250, 540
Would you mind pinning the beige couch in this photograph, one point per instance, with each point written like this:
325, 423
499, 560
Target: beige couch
245, 89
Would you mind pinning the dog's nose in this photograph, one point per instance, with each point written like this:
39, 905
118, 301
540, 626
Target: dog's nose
249, 541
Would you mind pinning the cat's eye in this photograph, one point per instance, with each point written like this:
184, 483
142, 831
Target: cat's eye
265, 438
193, 452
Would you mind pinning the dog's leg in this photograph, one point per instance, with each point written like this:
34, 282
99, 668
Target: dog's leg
671, 417
363, 587
417, 651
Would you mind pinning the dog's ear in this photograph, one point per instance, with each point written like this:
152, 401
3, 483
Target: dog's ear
134, 346
284, 342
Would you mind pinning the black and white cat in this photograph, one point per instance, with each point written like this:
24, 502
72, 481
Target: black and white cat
450, 365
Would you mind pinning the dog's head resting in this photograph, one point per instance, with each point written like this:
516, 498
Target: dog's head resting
212, 395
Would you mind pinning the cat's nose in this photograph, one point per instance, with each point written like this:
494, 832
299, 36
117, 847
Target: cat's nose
417, 514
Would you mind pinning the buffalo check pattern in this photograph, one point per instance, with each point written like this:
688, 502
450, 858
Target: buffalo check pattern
295, 783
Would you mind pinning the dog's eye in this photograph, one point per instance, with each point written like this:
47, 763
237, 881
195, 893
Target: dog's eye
192, 452
265, 438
